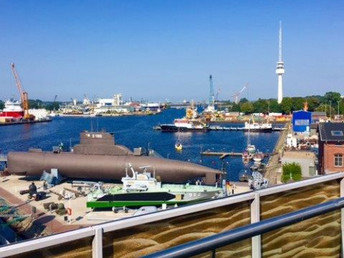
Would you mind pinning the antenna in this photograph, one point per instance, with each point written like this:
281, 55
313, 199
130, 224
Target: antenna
211, 91
280, 44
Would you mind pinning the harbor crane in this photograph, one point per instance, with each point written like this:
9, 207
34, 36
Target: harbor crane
24, 97
237, 95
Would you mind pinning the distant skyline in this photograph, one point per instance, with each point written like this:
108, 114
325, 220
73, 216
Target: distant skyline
157, 50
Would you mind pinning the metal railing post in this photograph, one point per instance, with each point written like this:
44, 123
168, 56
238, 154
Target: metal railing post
97, 243
255, 217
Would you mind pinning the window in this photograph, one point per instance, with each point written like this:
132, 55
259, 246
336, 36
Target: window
337, 133
338, 160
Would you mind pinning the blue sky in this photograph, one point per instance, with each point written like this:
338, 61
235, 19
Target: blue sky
167, 49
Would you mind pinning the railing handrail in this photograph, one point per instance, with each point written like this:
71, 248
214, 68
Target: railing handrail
231, 236
47, 241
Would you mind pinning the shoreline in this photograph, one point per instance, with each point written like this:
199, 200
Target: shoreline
273, 165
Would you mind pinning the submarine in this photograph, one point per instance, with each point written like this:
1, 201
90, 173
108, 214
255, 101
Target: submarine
98, 157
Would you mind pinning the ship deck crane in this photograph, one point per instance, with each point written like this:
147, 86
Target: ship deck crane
24, 97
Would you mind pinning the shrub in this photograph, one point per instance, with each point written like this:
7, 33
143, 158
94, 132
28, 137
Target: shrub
291, 171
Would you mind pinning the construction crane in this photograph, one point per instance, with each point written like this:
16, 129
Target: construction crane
24, 97
217, 94
237, 95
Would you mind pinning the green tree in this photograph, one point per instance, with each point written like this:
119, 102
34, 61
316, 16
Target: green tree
332, 97
313, 103
243, 100
2, 104
261, 106
291, 171
273, 106
37, 103
235, 107
297, 103
246, 107
326, 108
287, 105
52, 106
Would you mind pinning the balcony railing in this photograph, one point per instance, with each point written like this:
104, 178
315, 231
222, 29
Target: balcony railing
262, 210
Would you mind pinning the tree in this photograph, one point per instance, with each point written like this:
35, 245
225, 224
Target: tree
52, 106
261, 106
287, 105
246, 107
273, 106
2, 104
35, 104
297, 103
326, 108
291, 171
313, 103
332, 97
243, 100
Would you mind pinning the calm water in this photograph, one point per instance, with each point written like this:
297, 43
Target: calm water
135, 132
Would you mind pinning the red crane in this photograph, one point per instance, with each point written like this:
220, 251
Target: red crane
24, 97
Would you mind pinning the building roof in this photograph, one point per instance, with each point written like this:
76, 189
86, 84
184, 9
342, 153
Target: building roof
331, 132
299, 155
318, 113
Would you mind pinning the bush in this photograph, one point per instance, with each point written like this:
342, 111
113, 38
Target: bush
291, 171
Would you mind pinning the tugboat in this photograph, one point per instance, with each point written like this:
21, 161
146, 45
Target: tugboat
143, 189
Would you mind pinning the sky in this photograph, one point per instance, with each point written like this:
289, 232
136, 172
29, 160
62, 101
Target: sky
157, 50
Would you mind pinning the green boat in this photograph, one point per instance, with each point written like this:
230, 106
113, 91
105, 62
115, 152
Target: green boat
142, 189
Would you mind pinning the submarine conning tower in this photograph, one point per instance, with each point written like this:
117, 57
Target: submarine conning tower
100, 143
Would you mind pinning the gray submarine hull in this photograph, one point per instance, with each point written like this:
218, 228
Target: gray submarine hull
104, 167
99, 157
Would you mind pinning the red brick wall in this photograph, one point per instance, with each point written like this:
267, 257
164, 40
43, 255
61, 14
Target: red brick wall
330, 150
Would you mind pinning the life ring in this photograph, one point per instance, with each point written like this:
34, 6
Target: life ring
69, 211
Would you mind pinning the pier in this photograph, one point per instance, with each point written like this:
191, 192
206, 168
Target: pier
229, 154
274, 164
235, 128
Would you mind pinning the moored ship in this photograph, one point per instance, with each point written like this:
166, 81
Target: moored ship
184, 125
143, 189
12, 110
258, 127
190, 122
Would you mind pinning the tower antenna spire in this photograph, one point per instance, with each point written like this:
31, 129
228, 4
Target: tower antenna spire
280, 43
280, 67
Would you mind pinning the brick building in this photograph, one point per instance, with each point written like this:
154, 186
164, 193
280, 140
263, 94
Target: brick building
331, 148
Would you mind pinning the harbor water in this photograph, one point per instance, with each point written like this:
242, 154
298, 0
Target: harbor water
137, 131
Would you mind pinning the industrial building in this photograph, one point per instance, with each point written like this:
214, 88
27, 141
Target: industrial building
302, 121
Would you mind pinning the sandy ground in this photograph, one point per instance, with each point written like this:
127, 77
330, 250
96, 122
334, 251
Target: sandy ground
81, 215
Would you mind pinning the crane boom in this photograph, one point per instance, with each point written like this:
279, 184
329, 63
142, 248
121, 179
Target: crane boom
237, 95
24, 97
